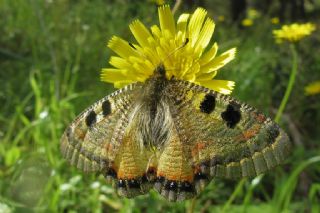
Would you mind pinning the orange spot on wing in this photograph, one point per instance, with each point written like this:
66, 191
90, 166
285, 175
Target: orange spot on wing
196, 169
109, 147
197, 148
80, 134
250, 133
259, 117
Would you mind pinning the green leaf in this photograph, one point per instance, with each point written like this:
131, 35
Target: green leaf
12, 156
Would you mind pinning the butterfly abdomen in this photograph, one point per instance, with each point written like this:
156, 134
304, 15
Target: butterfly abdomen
152, 114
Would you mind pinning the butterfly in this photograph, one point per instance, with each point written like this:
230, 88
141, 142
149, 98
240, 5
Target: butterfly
173, 136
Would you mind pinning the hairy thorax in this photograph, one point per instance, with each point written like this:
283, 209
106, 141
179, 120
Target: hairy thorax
151, 113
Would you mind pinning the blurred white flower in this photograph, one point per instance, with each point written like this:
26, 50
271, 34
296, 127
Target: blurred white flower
256, 180
43, 114
95, 185
53, 172
4, 208
257, 49
85, 27
107, 189
65, 187
75, 180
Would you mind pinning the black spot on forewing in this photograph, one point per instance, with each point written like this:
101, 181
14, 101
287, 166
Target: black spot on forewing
208, 104
106, 107
91, 118
232, 115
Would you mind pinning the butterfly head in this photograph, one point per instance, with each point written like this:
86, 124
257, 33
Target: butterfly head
160, 71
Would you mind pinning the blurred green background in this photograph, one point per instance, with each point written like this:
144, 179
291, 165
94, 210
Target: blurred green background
51, 54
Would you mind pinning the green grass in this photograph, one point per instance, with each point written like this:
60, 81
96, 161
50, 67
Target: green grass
51, 53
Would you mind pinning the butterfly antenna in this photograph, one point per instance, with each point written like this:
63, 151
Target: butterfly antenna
176, 50
169, 55
161, 64
131, 45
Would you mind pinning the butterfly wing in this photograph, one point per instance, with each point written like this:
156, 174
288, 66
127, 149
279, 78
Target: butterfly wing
214, 135
102, 138
90, 142
209, 135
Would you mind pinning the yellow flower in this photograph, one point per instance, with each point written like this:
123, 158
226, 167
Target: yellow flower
253, 13
179, 47
293, 32
221, 18
312, 88
247, 22
275, 20
159, 2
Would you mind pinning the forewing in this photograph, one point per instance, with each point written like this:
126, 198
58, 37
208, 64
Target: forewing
93, 138
222, 136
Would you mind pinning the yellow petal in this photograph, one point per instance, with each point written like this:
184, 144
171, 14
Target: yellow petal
142, 71
152, 56
207, 76
156, 32
182, 26
112, 75
166, 19
247, 22
219, 61
205, 35
190, 77
209, 55
313, 88
222, 86
119, 62
195, 24
121, 47
140, 32
120, 84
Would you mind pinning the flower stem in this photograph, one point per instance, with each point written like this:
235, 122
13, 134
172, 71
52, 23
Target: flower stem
292, 79
192, 205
